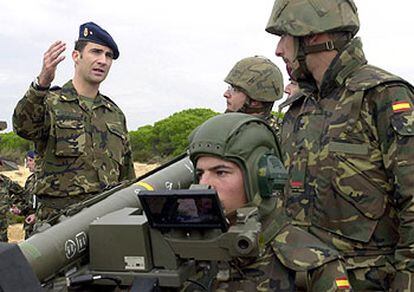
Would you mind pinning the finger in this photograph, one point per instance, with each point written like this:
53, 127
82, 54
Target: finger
55, 45
55, 52
55, 62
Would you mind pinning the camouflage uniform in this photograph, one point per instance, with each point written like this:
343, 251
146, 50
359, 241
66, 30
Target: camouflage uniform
287, 250
83, 148
348, 147
11, 194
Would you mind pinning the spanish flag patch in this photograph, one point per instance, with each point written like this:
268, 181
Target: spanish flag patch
401, 106
342, 283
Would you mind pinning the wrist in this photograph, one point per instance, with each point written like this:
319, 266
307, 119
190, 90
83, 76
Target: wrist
37, 86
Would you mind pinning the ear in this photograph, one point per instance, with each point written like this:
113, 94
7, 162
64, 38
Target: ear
256, 103
75, 56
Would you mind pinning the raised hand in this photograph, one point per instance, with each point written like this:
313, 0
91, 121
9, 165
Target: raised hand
51, 58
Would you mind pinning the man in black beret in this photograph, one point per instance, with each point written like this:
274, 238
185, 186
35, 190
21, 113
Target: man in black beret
79, 134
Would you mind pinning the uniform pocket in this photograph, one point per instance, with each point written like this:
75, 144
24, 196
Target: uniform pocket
358, 189
350, 194
117, 140
70, 137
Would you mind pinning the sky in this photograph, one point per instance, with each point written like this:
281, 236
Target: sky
174, 55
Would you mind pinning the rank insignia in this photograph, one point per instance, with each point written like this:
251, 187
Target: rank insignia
401, 106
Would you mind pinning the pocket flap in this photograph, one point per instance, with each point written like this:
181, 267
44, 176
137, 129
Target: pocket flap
358, 149
69, 123
116, 129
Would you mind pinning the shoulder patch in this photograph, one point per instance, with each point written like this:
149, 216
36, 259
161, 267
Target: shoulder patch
401, 106
368, 77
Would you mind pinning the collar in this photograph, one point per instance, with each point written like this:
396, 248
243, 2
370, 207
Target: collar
69, 94
342, 66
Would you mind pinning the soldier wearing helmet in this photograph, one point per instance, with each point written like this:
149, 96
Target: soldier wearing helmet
348, 144
238, 155
255, 83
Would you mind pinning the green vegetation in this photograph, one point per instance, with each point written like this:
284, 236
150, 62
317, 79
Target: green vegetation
14, 148
168, 137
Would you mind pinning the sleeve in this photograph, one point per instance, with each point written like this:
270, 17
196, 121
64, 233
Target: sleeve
30, 119
395, 123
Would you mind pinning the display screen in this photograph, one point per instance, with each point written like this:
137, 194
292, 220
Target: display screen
183, 209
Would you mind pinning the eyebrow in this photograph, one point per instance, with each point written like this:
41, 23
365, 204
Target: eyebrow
216, 167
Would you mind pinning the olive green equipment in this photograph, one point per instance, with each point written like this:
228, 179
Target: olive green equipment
8, 164
249, 142
258, 77
111, 242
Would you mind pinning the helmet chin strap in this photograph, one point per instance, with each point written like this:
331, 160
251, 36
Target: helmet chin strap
300, 70
247, 109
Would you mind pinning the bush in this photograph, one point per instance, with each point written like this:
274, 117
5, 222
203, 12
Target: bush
13, 147
168, 137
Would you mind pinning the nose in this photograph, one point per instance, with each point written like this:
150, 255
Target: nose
226, 93
205, 179
102, 59
279, 48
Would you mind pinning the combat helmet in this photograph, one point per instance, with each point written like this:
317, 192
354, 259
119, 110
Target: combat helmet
251, 144
300, 18
306, 17
258, 77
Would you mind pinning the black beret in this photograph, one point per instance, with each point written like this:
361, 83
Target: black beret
92, 32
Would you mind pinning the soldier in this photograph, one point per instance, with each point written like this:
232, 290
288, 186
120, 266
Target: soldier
255, 83
235, 154
348, 144
11, 202
80, 135
11, 194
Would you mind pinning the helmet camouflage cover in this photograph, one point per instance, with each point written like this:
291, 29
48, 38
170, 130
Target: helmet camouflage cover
242, 139
258, 77
307, 17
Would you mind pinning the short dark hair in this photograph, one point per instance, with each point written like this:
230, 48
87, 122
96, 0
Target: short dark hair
80, 45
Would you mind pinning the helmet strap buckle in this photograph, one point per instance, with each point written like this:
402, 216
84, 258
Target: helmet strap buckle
329, 45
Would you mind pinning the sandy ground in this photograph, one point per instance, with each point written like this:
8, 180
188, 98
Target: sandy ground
21, 175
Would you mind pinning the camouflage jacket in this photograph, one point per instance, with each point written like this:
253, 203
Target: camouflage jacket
292, 250
273, 122
349, 150
11, 194
80, 150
